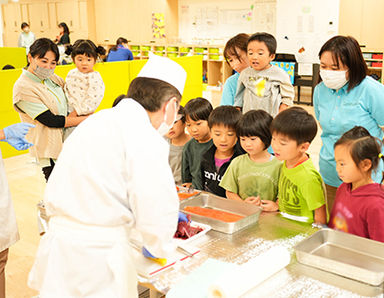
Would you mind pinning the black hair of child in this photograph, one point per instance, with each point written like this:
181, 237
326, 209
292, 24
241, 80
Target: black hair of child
236, 43
43, 45
296, 124
198, 109
361, 146
84, 47
118, 99
268, 39
8, 66
228, 116
152, 93
119, 41
256, 123
181, 112
23, 25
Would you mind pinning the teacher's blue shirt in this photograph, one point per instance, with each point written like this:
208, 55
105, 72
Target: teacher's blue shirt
229, 90
121, 54
339, 111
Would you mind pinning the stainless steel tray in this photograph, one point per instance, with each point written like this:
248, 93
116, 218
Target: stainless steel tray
344, 254
251, 212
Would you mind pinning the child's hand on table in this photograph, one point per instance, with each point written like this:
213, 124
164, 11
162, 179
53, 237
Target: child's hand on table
187, 185
253, 200
268, 205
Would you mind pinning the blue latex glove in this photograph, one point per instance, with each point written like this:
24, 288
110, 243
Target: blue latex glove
15, 135
183, 217
146, 253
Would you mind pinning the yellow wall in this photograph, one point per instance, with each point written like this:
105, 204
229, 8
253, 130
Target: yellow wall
116, 76
13, 56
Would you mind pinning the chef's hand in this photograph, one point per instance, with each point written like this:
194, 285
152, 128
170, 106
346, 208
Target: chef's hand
253, 200
146, 253
268, 205
15, 135
183, 217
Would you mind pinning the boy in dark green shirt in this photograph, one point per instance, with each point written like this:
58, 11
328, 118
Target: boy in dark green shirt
197, 111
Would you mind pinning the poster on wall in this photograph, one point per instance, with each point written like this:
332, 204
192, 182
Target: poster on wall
158, 25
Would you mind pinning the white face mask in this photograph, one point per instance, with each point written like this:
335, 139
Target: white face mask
43, 73
334, 79
164, 127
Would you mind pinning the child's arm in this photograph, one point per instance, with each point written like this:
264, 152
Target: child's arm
238, 101
321, 215
233, 196
186, 176
287, 92
283, 107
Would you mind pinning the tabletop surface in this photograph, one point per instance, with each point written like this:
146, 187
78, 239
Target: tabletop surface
296, 280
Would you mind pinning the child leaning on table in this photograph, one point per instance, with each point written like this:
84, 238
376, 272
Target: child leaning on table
177, 138
253, 177
222, 124
359, 202
263, 85
301, 188
197, 111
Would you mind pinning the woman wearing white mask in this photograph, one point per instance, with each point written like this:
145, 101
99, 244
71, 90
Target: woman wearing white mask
347, 97
112, 175
39, 98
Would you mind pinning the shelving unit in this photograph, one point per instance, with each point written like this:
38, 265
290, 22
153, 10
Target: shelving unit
215, 68
374, 60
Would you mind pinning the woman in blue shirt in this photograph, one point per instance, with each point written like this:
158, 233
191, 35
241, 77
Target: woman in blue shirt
235, 53
120, 51
345, 98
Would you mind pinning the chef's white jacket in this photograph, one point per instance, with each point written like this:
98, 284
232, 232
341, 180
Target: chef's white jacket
8, 226
113, 171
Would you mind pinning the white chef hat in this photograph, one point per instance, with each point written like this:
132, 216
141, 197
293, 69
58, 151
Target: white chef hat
164, 69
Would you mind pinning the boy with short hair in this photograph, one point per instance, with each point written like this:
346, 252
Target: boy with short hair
177, 138
262, 85
222, 124
301, 188
197, 111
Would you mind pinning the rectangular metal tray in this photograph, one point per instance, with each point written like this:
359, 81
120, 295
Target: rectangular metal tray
251, 212
344, 254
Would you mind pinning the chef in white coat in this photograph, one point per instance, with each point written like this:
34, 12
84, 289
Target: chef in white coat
111, 176
15, 136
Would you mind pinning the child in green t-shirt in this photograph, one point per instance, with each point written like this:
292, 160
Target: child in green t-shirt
253, 177
301, 188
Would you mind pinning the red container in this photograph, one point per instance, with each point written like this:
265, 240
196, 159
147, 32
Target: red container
377, 56
377, 64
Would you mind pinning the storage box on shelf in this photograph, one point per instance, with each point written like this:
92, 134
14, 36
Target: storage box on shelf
374, 60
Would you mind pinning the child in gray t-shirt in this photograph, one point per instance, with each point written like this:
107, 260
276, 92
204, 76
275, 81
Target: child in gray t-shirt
177, 138
262, 85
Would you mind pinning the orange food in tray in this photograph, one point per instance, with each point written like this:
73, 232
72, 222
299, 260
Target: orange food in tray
186, 195
213, 213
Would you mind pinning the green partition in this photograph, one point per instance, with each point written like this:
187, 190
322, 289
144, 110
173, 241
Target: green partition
116, 76
16, 57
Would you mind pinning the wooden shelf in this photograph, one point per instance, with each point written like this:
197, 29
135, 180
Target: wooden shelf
377, 70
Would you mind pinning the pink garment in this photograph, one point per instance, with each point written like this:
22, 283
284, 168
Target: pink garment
219, 162
359, 212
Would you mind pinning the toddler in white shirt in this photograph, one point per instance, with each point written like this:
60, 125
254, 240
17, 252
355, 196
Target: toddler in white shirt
84, 87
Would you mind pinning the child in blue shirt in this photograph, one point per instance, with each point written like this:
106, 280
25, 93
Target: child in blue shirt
235, 53
197, 111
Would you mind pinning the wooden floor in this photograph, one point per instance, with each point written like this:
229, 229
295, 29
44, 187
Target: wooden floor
27, 187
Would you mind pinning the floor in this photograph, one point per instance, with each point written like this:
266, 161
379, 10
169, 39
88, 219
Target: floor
27, 187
